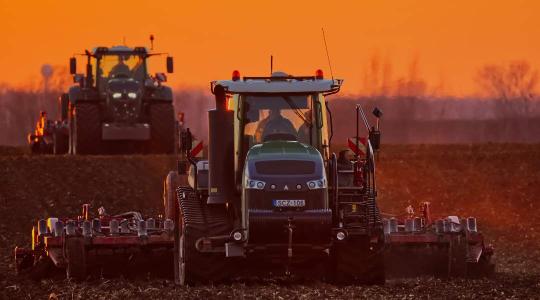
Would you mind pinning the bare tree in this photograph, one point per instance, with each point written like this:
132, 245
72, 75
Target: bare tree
512, 85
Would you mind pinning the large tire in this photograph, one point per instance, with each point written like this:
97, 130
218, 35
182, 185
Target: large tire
86, 130
196, 220
353, 262
60, 143
162, 128
170, 184
76, 259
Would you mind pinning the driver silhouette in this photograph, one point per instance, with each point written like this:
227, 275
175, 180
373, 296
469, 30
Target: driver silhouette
275, 123
120, 68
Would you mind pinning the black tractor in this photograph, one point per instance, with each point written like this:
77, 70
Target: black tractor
117, 107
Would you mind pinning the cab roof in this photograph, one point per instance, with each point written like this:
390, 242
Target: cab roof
118, 49
280, 82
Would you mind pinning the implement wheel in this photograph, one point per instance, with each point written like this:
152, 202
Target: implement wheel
162, 128
86, 129
196, 220
76, 259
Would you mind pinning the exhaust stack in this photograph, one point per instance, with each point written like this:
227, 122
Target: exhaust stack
220, 150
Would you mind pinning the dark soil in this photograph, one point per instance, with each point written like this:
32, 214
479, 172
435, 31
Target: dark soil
499, 184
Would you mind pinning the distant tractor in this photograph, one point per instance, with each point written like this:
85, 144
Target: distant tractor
117, 106
41, 141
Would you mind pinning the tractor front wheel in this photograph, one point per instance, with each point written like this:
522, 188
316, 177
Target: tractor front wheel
162, 128
60, 143
86, 129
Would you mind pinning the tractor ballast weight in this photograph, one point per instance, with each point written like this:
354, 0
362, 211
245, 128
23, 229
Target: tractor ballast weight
220, 151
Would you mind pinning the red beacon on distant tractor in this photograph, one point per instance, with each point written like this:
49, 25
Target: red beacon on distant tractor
236, 75
319, 74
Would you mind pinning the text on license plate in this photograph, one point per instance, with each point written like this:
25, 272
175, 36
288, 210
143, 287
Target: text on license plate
289, 203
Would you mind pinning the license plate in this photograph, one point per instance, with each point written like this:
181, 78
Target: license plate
289, 203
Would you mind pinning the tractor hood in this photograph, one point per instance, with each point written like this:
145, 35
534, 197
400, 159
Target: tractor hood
284, 159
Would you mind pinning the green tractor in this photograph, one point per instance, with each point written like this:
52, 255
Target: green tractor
117, 107
267, 200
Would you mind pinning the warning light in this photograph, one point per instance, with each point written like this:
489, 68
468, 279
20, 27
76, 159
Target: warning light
235, 75
319, 74
229, 103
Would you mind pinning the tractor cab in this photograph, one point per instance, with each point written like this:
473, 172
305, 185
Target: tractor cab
272, 195
277, 113
106, 65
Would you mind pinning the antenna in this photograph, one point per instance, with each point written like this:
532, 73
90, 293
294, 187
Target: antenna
124, 40
271, 64
327, 55
151, 42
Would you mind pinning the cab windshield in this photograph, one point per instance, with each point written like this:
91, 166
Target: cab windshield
278, 117
121, 66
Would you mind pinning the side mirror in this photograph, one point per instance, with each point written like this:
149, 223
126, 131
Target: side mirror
375, 133
186, 141
377, 112
375, 138
182, 167
170, 64
72, 65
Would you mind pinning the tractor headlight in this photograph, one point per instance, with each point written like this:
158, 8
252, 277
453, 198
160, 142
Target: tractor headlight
317, 184
117, 95
254, 184
132, 95
341, 235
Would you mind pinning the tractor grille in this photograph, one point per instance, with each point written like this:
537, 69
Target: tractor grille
125, 111
285, 167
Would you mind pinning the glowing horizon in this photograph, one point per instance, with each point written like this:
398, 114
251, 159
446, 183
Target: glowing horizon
449, 41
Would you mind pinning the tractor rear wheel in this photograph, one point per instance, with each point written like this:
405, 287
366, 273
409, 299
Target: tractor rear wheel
86, 130
60, 143
162, 128
355, 262
196, 220
76, 259
170, 184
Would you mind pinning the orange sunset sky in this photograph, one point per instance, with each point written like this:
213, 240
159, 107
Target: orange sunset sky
209, 39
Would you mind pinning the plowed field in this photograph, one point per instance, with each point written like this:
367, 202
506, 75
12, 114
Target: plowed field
497, 183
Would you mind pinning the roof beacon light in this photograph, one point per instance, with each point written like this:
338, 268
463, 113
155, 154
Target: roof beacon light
236, 75
319, 74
